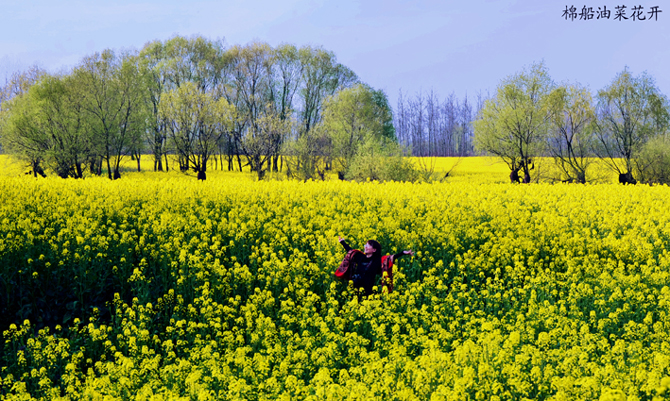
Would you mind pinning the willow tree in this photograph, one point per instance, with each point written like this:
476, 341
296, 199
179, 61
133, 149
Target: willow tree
23, 137
22, 133
352, 117
513, 124
263, 140
248, 89
286, 72
631, 110
571, 136
113, 99
195, 123
168, 65
322, 76
155, 82
48, 124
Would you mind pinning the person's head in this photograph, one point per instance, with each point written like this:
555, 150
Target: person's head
373, 248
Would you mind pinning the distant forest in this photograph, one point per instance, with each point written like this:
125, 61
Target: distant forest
431, 126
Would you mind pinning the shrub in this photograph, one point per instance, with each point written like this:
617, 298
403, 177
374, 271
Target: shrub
653, 165
381, 160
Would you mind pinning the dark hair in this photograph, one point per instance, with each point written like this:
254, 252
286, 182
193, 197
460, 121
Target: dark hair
378, 248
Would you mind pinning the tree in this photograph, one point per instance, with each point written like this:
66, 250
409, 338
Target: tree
168, 65
196, 60
250, 91
513, 125
653, 162
195, 122
431, 127
154, 80
48, 124
631, 110
384, 114
309, 155
19, 83
263, 140
350, 118
571, 136
62, 111
21, 131
323, 76
112, 92
381, 159
285, 78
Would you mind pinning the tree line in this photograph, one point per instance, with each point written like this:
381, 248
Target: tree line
298, 110
200, 101
431, 126
625, 126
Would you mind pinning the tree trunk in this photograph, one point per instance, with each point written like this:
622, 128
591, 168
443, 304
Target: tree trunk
158, 158
37, 169
109, 170
183, 163
80, 173
514, 176
627, 178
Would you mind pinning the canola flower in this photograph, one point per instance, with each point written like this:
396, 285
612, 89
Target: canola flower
176, 289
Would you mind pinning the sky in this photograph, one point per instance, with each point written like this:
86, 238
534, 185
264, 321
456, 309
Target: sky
459, 47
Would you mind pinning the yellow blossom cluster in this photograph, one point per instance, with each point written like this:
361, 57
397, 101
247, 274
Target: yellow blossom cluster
170, 288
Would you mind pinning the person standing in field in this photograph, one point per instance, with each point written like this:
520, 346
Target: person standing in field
364, 267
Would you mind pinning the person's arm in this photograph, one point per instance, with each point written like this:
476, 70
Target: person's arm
344, 244
400, 254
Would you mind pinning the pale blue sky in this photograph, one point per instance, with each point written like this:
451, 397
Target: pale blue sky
458, 46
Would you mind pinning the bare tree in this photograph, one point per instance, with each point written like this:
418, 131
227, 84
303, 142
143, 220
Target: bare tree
435, 128
466, 138
19, 83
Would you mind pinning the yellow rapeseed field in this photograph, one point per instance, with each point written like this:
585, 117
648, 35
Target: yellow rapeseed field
159, 287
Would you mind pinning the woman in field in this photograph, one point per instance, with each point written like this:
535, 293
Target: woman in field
365, 266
